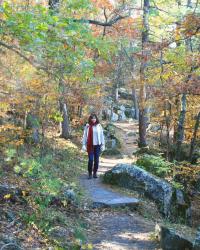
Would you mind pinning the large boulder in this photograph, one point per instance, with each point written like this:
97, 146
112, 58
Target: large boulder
197, 241
106, 114
110, 137
130, 113
122, 116
112, 143
170, 239
69, 194
9, 243
122, 108
155, 188
114, 117
125, 94
133, 177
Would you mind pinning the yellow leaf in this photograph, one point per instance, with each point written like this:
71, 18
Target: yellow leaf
83, 247
23, 193
90, 246
7, 196
64, 203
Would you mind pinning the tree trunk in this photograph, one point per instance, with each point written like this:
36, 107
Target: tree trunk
142, 103
79, 112
180, 130
193, 141
167, 122
32, 122
142, 129
135, 103
177, 105
53, 4
65, 124
117, 93
65, 127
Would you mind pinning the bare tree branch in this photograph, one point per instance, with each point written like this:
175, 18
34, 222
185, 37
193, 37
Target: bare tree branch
16, 50
95, 22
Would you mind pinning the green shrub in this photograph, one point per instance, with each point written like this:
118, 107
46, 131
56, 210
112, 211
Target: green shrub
155, 165
112, 151
148, 151
177, 185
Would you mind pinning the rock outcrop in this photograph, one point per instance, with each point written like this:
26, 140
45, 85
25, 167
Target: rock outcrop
170, 239
171, 202
197, 241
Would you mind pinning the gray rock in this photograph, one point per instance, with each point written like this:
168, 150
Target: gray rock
122, 116
196, 245
111, 140
124, 94
10, 215
130, 113
115, 202
114, 117
180, 197
171, 202
101, 196
130, 133
11, 246
133, 177
61, 235
106, 114
110, 143
69, 194
172, 240
9, 243
122, 108
58, 232
154, 127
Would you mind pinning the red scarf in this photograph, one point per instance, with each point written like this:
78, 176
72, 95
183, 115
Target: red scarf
90, 147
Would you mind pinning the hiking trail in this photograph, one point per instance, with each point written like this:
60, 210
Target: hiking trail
117, 229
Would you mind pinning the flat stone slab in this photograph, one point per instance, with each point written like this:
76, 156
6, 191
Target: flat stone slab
102, 196
116, 202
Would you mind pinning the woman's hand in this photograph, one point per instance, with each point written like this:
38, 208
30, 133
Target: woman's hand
103, 148
84, 148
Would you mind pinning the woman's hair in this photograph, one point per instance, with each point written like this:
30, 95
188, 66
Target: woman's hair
91, 116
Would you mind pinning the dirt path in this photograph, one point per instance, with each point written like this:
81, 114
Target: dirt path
117, 229
128, 134
128, 145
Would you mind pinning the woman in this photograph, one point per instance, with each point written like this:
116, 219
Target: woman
94, 143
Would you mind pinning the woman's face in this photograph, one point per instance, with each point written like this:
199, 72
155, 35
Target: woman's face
93, 119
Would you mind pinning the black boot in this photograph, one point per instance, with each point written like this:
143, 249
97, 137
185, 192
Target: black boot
95, 175
90, 176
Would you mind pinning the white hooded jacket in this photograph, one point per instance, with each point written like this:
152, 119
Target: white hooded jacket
100, 135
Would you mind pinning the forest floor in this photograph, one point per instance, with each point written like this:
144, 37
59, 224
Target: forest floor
27, 221
119, 228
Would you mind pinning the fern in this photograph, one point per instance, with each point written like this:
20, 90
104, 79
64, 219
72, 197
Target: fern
155, 165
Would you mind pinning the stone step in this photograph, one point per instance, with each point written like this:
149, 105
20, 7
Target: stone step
116, 202
102, 196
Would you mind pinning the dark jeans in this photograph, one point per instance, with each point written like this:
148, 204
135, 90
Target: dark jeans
94, 157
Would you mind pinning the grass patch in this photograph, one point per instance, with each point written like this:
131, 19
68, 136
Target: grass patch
46, 178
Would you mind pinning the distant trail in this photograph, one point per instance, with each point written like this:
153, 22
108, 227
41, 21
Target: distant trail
129, 142
112, 229
128, 145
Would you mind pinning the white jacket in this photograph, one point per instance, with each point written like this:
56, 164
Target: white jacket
101, 140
